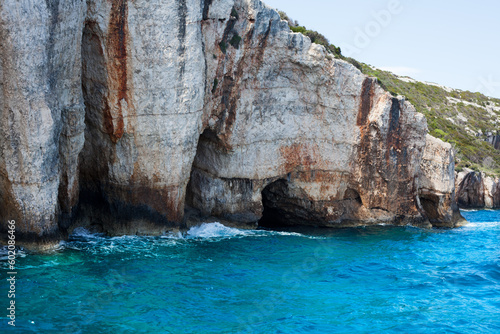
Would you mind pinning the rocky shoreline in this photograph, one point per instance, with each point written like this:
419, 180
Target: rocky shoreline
124, 116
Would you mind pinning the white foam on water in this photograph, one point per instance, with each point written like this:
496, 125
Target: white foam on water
476, 225
4, 253
97, 243
216, 230
172, 236
82, 232
128, 238
292, 234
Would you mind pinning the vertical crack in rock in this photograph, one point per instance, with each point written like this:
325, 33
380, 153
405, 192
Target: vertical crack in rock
393, 151
231, 91
229, 29
95, 95
181, 35
365, 106
117, 41
206, 8
401, 185
263, 45
53, 6
393, 134
229, 101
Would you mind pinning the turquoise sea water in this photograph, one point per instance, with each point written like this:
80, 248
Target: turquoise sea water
216, 279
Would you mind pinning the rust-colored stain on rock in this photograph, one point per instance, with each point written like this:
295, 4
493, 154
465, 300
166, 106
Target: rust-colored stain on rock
299, 156
384, 158
166, 200
370, 148
117, 50
365, 150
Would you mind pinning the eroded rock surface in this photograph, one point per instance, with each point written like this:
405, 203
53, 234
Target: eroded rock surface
115, 113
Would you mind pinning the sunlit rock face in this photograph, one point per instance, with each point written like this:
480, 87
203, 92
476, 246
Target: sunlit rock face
120, 114
144, 87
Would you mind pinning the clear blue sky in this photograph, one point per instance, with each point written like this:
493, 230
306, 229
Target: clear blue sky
453, 43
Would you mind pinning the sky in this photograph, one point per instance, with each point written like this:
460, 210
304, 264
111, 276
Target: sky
455, 43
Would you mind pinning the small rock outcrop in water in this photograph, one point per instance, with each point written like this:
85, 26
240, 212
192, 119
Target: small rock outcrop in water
475, 190
119, 114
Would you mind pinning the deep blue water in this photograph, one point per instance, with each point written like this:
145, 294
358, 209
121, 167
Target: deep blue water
221, 280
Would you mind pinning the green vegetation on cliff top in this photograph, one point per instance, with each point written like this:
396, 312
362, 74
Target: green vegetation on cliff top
462, 118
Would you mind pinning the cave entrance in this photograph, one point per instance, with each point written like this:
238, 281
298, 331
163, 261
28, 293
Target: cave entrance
430, 204
274, 215
198, 205
286, 205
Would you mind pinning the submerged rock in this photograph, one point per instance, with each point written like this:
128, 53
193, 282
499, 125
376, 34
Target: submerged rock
119, 114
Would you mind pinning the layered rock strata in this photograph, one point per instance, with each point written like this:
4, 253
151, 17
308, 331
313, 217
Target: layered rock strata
117, 114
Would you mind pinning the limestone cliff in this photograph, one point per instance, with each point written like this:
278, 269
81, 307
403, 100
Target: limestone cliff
118, 114
42, 112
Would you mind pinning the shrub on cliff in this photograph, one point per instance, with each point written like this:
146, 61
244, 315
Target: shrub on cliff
354, 62
315, 36
462, 125
286, 18
235, 41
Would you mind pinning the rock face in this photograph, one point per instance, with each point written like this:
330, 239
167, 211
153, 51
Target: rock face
118, 114
476, 190
144, 86
437, 191
42, 113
